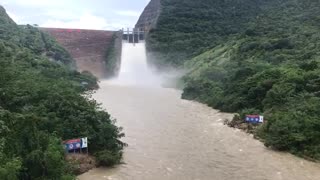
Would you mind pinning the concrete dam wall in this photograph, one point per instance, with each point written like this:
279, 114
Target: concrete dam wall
89, 48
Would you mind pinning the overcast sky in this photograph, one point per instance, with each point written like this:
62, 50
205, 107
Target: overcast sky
83, 14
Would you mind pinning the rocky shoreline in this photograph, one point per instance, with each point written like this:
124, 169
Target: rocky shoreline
80, 163
239, 123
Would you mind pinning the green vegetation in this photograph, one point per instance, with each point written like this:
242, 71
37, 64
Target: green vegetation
249, 56
192, 27
42, 102
41, 43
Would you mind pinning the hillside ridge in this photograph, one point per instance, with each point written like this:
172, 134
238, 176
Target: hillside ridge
149, 15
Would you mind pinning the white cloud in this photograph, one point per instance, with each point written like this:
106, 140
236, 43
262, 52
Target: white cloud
128, 13
34, 3
62, 14
85, 21
14, 17
84, 14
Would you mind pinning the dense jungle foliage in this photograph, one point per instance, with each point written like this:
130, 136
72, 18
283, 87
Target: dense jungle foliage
193, 27
253, 56
42, 102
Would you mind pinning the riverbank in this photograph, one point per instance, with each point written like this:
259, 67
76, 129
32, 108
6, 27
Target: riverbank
80, 163
238, 123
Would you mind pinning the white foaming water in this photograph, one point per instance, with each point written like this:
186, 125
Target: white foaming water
134, 68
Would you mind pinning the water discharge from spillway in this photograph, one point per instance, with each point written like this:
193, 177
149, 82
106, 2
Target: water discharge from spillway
174, 139
134, 69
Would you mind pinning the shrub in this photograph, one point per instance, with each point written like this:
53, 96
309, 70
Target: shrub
108, 158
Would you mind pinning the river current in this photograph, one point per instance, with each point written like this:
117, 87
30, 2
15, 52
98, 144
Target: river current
174, 139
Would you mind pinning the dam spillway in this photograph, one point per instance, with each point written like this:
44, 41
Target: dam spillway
134, 70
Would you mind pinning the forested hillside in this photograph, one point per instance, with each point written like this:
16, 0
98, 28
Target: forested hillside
42, 102
192, 27
252, 56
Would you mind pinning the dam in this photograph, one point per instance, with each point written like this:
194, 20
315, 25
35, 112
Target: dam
173, 139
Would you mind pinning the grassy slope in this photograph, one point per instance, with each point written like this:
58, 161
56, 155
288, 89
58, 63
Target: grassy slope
44, 101
251, 57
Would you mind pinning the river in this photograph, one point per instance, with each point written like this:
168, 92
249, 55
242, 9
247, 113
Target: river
174, 139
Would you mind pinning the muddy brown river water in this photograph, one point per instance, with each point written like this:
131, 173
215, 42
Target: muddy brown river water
170, 138
174, 139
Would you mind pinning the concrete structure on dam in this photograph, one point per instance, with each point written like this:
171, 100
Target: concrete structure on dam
88, 48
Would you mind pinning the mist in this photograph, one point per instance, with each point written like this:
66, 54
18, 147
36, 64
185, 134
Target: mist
134, 69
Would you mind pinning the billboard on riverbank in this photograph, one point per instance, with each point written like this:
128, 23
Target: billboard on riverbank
74, 144
254, 119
